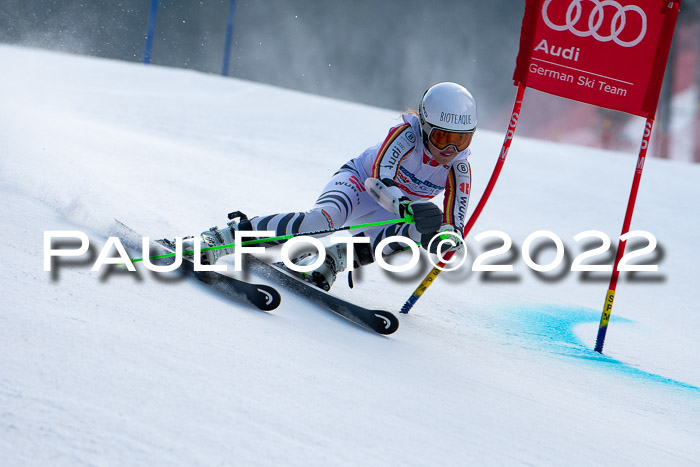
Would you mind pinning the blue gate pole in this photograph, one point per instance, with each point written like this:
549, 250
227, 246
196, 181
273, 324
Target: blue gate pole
149, 34
229, 37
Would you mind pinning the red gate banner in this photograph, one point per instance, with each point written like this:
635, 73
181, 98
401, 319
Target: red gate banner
609, 53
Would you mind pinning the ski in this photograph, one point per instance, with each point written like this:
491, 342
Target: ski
261, 296
379, 321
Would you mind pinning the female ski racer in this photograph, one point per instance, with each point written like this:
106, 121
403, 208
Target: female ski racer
420, 158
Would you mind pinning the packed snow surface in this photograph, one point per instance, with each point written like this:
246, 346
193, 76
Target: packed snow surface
119, 368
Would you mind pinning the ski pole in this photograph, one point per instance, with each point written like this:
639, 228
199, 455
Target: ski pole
610, 296
408, 219
432, 275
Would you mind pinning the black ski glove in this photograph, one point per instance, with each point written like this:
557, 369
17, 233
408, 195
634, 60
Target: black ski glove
427, 217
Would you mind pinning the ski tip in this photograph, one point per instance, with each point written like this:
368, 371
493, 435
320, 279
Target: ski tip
385, 322
268, 298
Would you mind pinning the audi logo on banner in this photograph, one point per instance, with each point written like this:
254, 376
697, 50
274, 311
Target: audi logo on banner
601, 10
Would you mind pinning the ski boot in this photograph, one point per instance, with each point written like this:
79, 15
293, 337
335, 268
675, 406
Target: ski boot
324, 276
215, 237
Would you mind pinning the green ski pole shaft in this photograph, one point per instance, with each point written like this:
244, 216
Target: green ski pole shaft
408, 219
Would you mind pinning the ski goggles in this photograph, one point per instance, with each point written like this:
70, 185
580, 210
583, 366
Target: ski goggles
441, 139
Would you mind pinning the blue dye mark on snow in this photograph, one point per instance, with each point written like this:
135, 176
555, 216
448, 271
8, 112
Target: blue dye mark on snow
552, 328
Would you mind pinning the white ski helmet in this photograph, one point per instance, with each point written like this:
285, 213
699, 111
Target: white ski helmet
448, 116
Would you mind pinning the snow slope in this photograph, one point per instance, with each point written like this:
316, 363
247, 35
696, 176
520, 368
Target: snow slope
116, 368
